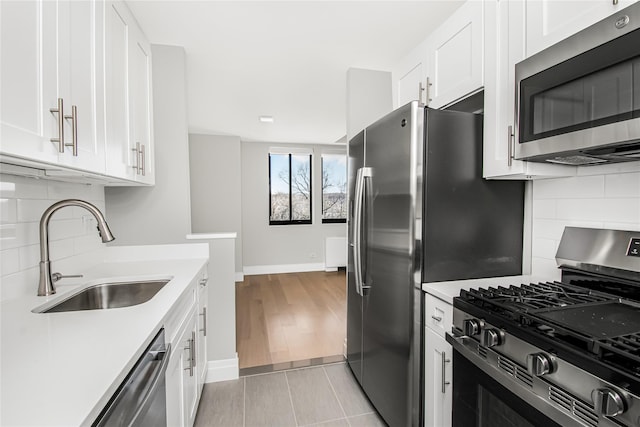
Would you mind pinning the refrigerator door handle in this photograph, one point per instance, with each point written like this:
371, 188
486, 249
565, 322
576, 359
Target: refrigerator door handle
361, 174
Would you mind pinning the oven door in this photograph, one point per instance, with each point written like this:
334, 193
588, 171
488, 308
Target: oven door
479, 400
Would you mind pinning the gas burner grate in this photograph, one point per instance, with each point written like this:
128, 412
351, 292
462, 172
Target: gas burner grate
530, 298
623, 351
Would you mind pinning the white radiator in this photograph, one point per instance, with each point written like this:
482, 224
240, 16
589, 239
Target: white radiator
335, 253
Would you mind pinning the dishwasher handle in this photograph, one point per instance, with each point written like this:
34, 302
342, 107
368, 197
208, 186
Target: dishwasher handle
156, 381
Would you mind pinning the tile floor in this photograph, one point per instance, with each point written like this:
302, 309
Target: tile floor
326, 395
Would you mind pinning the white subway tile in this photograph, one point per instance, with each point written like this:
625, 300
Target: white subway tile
545, 268
623, 226
569, 188
29, 257
548, 228
615, 210
622, 185
20, 187
31, 210
17, 235
66, 229
60, 249
87, 244
9, 261
8, 211
545, 209
544, 248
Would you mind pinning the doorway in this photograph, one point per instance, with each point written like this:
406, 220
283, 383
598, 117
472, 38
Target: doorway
292, 319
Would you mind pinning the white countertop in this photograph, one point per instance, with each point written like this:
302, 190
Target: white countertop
446, 291
60, 369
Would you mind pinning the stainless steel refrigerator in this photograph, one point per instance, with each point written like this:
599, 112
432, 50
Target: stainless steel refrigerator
419, 211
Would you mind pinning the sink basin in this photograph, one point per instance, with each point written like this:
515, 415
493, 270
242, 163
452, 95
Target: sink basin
109, 295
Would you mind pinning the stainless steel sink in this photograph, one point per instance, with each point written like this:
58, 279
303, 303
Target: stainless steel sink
109, 295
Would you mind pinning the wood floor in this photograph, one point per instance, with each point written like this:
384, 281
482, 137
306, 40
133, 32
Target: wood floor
288, 317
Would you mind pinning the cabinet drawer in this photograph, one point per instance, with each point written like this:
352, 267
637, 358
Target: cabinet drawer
438, 315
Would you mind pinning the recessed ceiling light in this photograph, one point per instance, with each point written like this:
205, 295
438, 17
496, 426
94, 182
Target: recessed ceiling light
266, 119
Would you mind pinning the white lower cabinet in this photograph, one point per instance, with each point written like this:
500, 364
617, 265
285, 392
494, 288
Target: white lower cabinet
438, 384
438, 363
201, 340
184, 377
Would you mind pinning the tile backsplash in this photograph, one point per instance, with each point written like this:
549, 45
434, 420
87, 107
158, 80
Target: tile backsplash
596, 201
72, 230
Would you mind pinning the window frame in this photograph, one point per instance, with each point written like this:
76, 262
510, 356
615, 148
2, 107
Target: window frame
291, 221
329, 220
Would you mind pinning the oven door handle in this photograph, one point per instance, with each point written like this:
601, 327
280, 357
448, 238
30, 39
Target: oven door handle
155, 382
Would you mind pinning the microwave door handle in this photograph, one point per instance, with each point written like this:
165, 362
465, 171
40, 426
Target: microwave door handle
155, 382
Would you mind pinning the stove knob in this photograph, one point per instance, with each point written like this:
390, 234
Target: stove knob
472, 327
491, 337
540, 364
607, 402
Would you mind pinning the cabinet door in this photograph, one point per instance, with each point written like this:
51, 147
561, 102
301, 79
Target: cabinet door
438, 378
504, 47
190, 365
549, 21
119, 151
201, 341
456, 56
79, 38
140, 104
409, 77
27, 79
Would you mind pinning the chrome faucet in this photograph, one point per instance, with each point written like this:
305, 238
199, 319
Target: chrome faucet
46, 278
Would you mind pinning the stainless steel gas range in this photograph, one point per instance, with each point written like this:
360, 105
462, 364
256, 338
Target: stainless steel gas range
561, 353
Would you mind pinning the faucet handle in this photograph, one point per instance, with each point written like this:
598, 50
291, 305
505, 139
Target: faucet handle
57, 276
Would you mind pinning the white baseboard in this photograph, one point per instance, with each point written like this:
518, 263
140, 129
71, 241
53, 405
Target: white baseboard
330, 269
239, 276
282, 268
222, 370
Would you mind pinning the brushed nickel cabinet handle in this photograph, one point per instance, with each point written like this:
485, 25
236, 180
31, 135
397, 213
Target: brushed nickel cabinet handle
143, 161
190, 346
60, 138
428, 88
436, 318
445, 383
204, 321
136, 151
420, 91
74, 130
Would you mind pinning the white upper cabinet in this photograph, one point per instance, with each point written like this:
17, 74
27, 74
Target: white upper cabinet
455, 56
128, 106
409, 77
27, 79
549, 21
119, 155
504, 47
76, 89
140, 104
50, 62
80, 78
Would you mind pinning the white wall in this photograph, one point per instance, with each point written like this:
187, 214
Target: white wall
216, 202
72, 230
594, 201
159, 214
369, 97
280, 248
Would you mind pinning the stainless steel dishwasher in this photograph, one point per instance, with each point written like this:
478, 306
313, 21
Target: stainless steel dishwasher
141, 399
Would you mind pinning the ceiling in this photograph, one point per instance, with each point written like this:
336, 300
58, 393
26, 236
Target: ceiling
286, 59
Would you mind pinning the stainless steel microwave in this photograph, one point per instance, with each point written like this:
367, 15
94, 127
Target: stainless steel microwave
578, 101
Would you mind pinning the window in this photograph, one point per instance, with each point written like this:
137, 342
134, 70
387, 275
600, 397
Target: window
289, 189
334, 188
